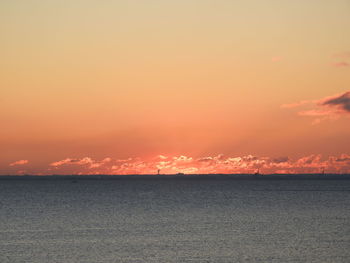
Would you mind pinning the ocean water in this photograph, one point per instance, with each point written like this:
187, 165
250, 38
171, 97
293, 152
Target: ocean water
175, 221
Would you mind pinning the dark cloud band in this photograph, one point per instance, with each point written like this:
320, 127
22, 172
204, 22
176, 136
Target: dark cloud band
342, 101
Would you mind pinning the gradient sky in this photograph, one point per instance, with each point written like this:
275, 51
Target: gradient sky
197, 79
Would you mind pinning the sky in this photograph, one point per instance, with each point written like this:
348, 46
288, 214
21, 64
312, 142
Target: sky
119, 87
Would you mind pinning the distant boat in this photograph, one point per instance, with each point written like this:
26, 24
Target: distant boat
257, 172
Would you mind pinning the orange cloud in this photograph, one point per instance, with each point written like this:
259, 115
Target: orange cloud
205, 165
20, 162
342, 64
83, 161
329, 108
276, 58
296, 104
343, 59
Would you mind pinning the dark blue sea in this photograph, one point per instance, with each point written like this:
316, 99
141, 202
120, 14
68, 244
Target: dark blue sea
174, 220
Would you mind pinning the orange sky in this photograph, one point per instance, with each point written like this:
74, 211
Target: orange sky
139, 79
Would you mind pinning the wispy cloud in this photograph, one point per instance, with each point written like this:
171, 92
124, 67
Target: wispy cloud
296, 104
341, 101
329, 108
86, 161
342, 59
20, 162
341, 64
276, 58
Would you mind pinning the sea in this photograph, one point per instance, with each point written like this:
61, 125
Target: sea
175, 220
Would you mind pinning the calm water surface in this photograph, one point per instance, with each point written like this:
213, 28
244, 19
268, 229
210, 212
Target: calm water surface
175, 221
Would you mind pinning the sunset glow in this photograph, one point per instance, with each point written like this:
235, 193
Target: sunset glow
130, 87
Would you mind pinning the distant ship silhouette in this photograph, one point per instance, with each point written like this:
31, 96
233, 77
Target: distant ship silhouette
158, 173
257, 172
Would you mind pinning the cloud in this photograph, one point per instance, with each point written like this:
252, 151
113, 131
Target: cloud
341, 101
20, 162
343, 158
340, 64
206, 164
308, 161
296, 104
315, 113
281, 159
276, 58
343, 59
71, 161
329, 108
83, 161
162, 157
